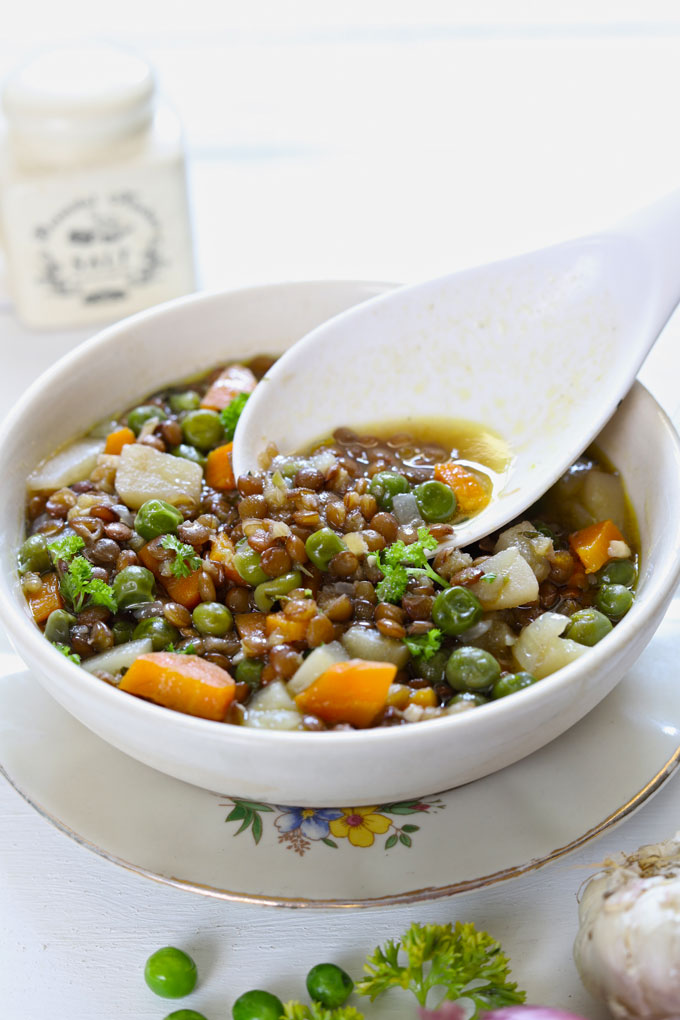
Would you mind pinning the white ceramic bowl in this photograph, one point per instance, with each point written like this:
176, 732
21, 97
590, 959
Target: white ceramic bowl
141, 354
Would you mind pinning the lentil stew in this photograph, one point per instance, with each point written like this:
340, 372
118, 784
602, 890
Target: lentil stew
325, 591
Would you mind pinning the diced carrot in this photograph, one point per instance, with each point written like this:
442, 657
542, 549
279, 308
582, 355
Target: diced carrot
43, 602
115, 441
470, 491
286, 628
222, 551
251, 629
185, 590
425, 697
186, 683
352, 692
232, 381
219, 472
591, 544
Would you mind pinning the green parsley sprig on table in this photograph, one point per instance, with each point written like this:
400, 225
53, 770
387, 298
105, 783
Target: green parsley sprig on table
464, 962
230, 415
185, 559
79, 587
400, 561
315, 1011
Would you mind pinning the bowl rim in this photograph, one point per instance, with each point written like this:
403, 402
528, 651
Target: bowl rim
659, 586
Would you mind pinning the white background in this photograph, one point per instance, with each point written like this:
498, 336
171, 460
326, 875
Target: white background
379, 140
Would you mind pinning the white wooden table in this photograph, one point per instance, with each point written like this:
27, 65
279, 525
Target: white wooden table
387, 155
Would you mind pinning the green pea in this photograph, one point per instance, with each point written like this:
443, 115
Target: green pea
185, 1014
434, 670
145, 412
614, 600
322, 546
156, 517
133, 586
455, 610
330, 985
34, 555
203, 428
510, 683
247, 562
170, 973
436, 501
161, 632
122, 631
471, 669
465, 700
257, 1005
385, 486
212, 618
274, 588
58, 626
249, 671
618, 572
588, 626
189, 400
189, 453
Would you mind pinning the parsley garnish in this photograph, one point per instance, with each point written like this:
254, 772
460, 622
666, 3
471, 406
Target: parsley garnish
189, 650
425, 645
315, 1011
230, 414
78, 586
65, 650
400, 560
185, 559
65, 548
465, 962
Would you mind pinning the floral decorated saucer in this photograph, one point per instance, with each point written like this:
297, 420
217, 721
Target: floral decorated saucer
509, 823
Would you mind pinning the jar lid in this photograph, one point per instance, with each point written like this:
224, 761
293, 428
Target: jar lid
67, 100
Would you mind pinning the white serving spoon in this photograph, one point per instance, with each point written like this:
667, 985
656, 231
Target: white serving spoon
539, 348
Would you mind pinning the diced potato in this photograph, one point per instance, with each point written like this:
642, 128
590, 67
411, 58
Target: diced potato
540, 650
272, 708
144, 473
508, 581
314, 665
534, 547
70, 465
362, 643
602, 496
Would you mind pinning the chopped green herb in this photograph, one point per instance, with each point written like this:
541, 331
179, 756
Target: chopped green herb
185, 559
488, 578
65, 650
79, 587
399, 561
425, 645
65, 548
230, 414
189, 650
462, 961
315, 1011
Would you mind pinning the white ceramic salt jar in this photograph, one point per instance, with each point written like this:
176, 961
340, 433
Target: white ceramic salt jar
93, 203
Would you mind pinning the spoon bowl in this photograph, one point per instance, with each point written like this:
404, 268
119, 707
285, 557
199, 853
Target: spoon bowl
539, 348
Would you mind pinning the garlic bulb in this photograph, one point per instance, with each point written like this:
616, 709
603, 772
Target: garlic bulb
627, 950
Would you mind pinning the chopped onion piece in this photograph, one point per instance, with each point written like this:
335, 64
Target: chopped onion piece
118, 658
508, 581
405, 508
356, 543
272, 708
540, 650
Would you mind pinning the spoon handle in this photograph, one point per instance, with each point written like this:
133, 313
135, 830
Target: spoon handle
657, 230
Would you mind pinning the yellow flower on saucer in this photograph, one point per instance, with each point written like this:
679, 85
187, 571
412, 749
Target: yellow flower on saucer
359, 825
